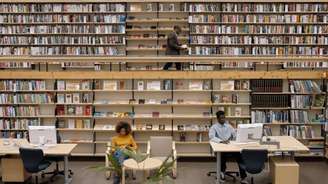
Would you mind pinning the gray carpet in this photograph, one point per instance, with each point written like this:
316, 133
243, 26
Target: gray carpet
195, 173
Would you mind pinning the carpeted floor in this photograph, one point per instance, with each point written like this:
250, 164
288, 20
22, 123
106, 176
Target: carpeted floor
195, 173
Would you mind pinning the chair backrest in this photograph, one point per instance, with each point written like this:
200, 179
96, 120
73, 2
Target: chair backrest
31, 159
254, 160
161, 146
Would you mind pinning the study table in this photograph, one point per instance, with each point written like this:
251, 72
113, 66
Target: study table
56, 150
287, 144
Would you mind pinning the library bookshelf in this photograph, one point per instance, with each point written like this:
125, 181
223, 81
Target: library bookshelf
154, 104
122, 43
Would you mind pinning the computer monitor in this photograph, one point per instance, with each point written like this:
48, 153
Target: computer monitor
249, 132
42, 135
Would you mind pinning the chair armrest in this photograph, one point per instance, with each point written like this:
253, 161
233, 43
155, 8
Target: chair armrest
174, 150
148, 147
108, 150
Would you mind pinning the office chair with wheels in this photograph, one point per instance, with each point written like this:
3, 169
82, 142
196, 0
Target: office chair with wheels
253, 161
57, 160
33, 161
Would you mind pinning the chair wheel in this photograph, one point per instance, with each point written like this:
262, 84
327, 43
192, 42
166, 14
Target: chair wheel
43, 175
107, 178
208, 174
134, 178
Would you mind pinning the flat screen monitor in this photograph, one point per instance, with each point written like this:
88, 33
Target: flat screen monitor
249, 132
42, 135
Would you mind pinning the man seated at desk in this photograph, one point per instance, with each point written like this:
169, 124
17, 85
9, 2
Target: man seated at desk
223, 132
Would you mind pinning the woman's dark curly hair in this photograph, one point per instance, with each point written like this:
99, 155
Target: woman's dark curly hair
125, 125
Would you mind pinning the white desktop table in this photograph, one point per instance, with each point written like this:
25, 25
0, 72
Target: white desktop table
287, 144
57, 150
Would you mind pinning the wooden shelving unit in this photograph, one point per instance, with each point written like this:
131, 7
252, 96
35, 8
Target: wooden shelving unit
140, 29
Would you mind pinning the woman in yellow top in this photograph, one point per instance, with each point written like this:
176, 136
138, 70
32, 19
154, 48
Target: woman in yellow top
124, 138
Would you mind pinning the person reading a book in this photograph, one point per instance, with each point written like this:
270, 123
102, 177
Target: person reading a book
223, 132
173, 47
123, 139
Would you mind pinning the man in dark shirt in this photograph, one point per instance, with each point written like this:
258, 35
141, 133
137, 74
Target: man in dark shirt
173, 47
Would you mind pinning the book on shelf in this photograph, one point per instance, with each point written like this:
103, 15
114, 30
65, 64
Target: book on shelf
110, 85
140, 85
14, 111
299, 132
227, 85
304, 86
278, 101
269, 116
299, 116
196, 85
60, 98
265, 85
301, 101
14, 98
104, 127
68, 98
22, 85
167, 84
71, 123
153, 85
319, 101
61, 85
238, 111
18, 124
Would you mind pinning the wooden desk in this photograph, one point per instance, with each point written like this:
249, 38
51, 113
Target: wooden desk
57, 150
287, 144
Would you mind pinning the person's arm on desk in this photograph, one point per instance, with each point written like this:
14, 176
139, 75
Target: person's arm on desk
212, 136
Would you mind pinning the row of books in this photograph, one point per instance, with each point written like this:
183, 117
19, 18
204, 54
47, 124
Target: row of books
75, 123
269, 116
18, 135
299, 116
154, 114
193, 7
234, 111
18, 124
299, 132
73, 110
15, 65
41, 40
304, 86
236, 64
209, 39
198, 18
61, 7
73, 85
39, 98
305, 64
265, 85
17, 85
305, 101
204, 7
287, 18
12, 111
46, 18
61, 50
274, 7
61, 29
154, 7
270, 100
74, 98
258, 50
258, 29
223, 98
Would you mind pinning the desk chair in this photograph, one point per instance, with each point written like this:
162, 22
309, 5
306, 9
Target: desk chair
253, 161
162, 146
56, 159
33, 161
